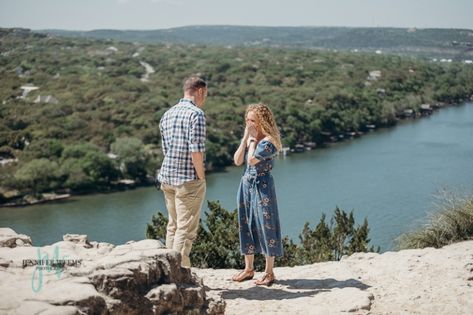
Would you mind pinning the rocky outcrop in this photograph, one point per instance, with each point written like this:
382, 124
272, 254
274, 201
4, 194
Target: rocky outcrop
418, 281
76, 276
9, 238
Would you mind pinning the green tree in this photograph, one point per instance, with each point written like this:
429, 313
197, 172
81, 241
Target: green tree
343, 228
316, 245
78, 150
44, 148
99, 167
85, 167
131, 156
219, 244
39, 175
74, 175
359, 239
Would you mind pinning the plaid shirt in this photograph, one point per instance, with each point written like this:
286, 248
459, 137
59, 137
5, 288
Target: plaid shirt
182, 132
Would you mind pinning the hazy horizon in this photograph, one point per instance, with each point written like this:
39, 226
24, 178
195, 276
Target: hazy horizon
236, 25
137, 15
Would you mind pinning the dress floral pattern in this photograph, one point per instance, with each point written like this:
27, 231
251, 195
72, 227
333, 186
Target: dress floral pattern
260, 230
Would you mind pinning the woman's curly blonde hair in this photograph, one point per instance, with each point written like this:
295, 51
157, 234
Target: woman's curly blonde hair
266, 121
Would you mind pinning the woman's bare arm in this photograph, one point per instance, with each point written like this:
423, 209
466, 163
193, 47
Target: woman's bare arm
239, 156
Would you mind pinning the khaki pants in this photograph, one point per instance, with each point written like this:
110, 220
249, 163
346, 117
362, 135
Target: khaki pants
183, 203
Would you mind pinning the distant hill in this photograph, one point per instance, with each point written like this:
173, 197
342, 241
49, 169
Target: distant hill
74, 110
432, 43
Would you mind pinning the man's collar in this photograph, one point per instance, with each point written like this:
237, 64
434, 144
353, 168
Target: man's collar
187, 100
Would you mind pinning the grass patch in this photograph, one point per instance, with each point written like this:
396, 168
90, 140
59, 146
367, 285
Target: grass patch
452, 223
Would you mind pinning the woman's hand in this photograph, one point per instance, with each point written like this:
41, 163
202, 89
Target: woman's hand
246, 134
252, 131
239, 156
249, 140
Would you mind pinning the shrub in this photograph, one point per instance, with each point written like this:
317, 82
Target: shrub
217, 244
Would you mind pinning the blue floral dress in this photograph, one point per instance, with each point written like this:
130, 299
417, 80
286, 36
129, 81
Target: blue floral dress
260, 230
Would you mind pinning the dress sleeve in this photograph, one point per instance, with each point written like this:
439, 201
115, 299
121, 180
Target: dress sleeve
265, 150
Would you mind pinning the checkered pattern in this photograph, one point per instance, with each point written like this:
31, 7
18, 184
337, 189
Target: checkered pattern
182, 132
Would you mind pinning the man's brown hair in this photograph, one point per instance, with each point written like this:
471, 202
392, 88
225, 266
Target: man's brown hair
193, 83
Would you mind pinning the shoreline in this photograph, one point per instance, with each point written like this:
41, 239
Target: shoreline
64, 195
50, 197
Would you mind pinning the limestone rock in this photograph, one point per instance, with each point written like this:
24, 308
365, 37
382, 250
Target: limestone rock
76, 276
9, 238
78, 239
143, 277
418, 281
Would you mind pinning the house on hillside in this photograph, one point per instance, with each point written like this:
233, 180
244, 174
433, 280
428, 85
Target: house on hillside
374, 75
46, 99
27, 88
425, 109
381, 92
408, 113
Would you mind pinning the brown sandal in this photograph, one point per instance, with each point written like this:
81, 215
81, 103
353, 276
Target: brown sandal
244, 275
267, 279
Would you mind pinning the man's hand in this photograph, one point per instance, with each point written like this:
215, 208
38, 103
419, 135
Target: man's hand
198, 162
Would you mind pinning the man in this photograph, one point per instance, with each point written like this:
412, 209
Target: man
182, 174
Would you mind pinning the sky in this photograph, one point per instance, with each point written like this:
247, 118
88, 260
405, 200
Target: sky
159, 14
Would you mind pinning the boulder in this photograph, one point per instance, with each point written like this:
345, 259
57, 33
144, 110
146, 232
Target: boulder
76, 276
9, 238
77, 239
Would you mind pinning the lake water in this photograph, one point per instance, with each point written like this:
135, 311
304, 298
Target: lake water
389, 176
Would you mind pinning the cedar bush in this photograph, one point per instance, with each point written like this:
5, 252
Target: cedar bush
217, 242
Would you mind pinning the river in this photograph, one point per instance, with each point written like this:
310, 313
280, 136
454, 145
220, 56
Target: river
390, 176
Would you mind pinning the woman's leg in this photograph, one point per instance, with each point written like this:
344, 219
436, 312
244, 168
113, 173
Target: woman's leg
247, 273
268, 277
249, 259
269, 264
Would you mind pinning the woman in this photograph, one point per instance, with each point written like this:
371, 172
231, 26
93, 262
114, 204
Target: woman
260, 230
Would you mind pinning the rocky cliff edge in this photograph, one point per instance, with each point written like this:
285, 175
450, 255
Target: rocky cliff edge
145, 278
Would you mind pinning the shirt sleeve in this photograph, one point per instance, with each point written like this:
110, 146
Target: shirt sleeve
163, 142
265, 150
197, 133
